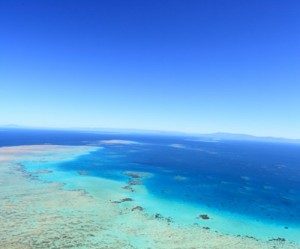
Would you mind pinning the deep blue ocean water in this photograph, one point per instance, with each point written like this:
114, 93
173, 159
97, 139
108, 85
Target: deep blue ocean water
257, 179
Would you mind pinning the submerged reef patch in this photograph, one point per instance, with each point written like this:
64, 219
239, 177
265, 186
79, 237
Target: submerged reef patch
50, 214
135, 174
203, 217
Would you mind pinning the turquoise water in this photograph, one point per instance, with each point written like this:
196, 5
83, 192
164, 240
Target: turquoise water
244, 188
242, 178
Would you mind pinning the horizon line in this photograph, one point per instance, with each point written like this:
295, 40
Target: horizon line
139, 130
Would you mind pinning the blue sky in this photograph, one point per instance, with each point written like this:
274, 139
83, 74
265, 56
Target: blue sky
193, 66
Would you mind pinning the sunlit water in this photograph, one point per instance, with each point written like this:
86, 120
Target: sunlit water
256, 182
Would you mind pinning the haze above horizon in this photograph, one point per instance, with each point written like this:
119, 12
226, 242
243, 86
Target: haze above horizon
192, 66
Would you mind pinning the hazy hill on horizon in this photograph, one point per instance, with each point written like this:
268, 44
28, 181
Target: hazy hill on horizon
210, 136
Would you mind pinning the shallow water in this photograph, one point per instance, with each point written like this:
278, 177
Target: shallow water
240, 188
257, 180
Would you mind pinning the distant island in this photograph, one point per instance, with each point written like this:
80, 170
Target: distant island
217, 136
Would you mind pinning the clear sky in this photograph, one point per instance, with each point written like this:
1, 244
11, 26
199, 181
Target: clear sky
189, 65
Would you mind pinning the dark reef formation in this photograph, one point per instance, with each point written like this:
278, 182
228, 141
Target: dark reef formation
203, 217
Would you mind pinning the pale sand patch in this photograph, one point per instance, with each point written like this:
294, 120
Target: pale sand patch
180, 178
178, 146
35, 214
43, 152
117, 141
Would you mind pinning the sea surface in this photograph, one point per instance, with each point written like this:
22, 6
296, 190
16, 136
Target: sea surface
189, 179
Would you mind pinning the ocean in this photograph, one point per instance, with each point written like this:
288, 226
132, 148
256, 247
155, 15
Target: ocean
235, 187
